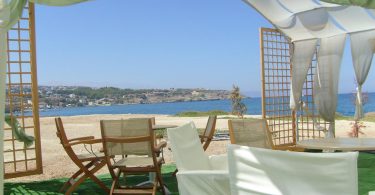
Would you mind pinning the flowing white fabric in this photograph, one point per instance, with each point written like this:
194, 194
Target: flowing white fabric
303, 52
312, 19
3, 48
327, 77
197, 173
262, 171
363, 47
10, 11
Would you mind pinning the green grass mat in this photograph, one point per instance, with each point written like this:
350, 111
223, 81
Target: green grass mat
366, 181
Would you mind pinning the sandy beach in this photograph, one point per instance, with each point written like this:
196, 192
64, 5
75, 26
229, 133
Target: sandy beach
57, 164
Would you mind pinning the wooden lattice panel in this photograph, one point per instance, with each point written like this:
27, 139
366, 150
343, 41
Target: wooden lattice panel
275, 58
286, 126
22, 98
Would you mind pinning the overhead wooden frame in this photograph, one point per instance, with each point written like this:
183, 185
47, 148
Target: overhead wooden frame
22, 98
286, 126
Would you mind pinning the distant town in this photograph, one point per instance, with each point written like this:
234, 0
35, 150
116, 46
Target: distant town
74, 96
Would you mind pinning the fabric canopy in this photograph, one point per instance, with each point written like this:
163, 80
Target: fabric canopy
10, 12
312, 19
312, 23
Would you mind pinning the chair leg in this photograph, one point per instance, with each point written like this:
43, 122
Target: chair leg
67, 184
95, 179
74, 176
115, 182
87, 174
155, 187
76, 184
161, 183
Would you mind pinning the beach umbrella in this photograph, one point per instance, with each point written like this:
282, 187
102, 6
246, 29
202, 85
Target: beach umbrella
10, 12
310, 23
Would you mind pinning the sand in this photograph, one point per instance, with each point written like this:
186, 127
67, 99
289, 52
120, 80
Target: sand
56, 163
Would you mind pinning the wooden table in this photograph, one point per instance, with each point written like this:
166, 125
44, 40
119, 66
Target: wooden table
343, 144
160, 127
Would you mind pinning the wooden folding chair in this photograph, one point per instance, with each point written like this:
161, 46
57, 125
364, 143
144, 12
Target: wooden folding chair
132, 144
88, 163
207, 135
249, 132
254, 133
209, 132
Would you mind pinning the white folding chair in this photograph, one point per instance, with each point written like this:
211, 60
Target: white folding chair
198, 173
264, 171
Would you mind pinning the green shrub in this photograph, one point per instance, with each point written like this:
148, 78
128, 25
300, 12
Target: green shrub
198, 113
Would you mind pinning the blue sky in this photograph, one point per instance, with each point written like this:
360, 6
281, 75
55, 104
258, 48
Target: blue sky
157, 44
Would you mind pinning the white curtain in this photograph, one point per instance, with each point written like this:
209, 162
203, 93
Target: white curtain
327, 77
10, 12
3, 48
303, 52
363, 47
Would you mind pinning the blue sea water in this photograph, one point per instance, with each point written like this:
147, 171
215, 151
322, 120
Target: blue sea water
345, 107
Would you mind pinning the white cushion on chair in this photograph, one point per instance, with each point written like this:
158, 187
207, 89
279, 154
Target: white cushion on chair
263, 171
187, 148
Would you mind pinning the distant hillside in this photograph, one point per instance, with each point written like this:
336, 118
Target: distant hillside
71, 96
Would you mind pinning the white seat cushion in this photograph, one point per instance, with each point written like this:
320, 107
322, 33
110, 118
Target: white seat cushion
263, 171
187, 149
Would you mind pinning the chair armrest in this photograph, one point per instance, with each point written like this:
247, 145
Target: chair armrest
90, 141
161, 145
203, 182
219, 162
81, 138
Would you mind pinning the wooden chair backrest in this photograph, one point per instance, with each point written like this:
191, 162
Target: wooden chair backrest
61, 134
209, 131
250, 132
127, 137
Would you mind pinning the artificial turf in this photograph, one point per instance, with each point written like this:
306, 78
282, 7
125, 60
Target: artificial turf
366, 181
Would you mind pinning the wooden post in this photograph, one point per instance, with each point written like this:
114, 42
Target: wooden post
262, 73
35, 94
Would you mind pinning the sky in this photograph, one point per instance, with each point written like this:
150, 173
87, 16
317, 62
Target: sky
157, 44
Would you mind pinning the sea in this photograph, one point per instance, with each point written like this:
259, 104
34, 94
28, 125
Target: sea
345, 107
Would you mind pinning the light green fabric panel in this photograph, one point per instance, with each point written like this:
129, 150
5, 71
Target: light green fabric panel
57, 2
10, 12
363, 3
3, 61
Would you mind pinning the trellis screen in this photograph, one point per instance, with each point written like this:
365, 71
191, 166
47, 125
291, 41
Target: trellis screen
276, 67
22, 98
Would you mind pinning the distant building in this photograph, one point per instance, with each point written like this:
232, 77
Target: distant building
72, 95
195, 93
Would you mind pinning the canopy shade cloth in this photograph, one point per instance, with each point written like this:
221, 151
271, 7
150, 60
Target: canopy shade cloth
312, 19
309, 23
